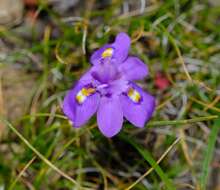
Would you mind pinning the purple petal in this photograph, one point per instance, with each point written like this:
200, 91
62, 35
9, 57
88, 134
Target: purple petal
86, 77
104, 72
121, 46
79, 114
117, 87
110, 116
138, 113
120, 50
68, 105
97, 55
133, 69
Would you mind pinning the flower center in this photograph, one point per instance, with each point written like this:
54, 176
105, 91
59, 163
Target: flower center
107, 53
108, 80
134, 95
82, 95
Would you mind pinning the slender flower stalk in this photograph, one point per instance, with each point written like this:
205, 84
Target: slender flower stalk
108, 89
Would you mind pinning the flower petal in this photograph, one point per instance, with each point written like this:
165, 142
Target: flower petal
68, 105
68, 100
110, 116
86, 77
118, 50
121, 47
104, 72
133, 69
80, 113
138, 113
97, 55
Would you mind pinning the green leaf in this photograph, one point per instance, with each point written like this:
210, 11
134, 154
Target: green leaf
208, 154
149, 158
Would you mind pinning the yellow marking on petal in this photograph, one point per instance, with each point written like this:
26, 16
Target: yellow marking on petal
107, 53
134, 95
87, 91
82, 95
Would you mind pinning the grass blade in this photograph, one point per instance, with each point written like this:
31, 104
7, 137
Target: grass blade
151, 169
148, 157
208, 154
38, 153
181, 122
11, 187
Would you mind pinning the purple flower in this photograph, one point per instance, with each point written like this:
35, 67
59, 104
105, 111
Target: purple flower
108, 89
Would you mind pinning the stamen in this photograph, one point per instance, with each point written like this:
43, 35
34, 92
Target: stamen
102, 86
107, 53
82, 95
134, 95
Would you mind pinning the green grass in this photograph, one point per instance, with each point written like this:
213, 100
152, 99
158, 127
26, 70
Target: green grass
40, 150
208, 154
148, 157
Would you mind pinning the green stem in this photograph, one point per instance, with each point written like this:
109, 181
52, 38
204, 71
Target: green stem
179, 122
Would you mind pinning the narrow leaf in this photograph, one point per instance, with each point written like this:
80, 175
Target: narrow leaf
208, 154
148, 157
